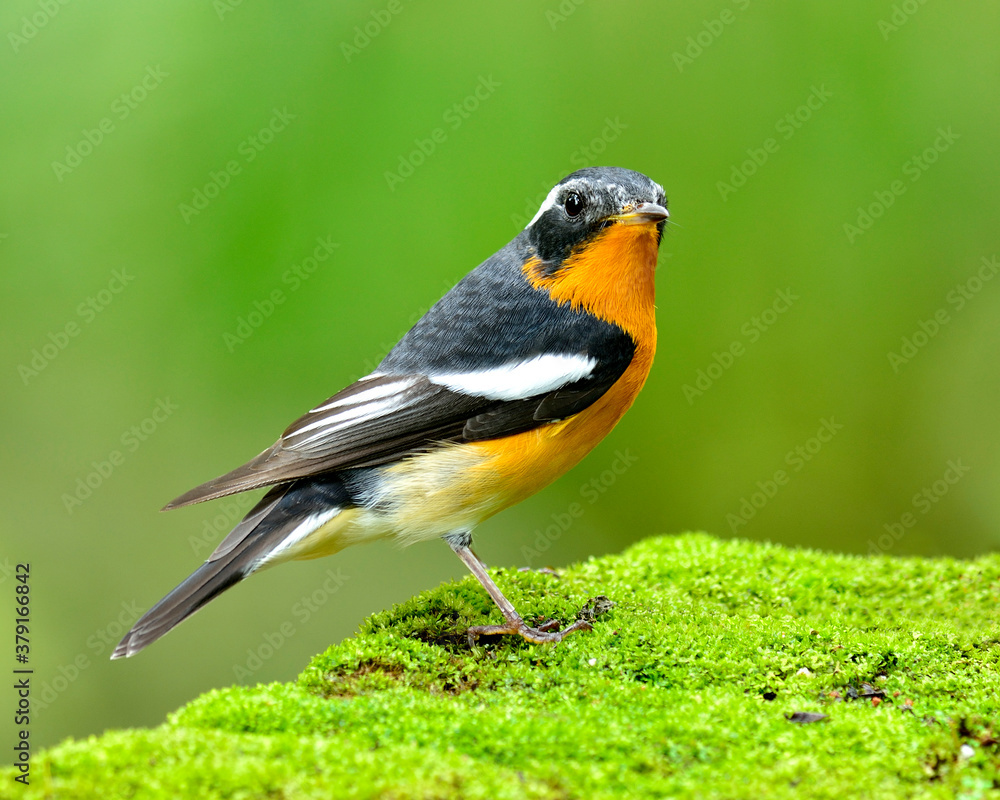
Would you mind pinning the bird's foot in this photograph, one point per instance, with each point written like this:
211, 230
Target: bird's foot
547, 632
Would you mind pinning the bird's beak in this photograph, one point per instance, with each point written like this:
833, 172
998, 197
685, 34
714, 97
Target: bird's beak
641, 214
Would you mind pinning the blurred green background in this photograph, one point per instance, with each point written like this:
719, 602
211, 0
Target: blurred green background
829, 313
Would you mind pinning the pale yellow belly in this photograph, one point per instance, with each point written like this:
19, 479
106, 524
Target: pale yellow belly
422, 497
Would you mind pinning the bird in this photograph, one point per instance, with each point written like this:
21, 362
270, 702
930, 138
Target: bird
506, 383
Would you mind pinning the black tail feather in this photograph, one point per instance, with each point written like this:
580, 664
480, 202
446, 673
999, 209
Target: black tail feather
257, 535
209, 580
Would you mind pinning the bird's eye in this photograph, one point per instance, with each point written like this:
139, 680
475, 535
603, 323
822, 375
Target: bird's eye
573, 204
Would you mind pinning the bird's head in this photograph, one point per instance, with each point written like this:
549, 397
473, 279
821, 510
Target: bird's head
583, 206
594, 242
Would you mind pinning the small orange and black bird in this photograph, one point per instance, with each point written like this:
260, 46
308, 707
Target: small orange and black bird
504, 385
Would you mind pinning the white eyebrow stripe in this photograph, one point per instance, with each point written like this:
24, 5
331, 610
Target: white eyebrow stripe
521, 379
547, 203
375, 393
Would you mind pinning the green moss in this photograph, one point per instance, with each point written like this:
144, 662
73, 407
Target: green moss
682, 690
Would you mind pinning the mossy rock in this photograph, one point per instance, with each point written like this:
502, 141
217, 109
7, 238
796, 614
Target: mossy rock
691, 686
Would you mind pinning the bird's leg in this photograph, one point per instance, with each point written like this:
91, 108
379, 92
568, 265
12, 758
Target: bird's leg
513, 624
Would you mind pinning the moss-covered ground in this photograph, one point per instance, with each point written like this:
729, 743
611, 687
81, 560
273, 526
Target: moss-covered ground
688, 687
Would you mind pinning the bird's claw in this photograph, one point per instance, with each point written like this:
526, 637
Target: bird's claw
543, 634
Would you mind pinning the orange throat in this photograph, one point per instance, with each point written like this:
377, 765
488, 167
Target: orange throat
611, 278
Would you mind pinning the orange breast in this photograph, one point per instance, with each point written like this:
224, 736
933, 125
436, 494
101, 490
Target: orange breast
611, 278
